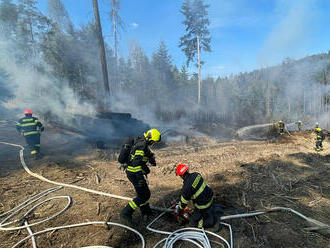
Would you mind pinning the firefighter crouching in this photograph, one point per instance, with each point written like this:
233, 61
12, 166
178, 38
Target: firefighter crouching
30, 127
195, 189
319, 139
136, 171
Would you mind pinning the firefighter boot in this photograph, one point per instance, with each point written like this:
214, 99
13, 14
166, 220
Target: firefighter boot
216, 227
146, 212
126, 215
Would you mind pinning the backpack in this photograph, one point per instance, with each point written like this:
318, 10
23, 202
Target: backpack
124, 155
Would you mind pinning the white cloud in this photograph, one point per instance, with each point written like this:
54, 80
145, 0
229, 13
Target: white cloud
135, 25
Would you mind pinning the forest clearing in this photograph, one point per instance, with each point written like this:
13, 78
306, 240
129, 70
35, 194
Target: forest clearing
190, 123
245, 175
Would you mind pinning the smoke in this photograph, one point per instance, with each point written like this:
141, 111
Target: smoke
296, 24
37, 89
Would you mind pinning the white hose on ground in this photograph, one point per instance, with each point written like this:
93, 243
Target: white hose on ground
61, 184
35, 198
187, 236
192, 235
80, 225
32, 235
34, 244
28, 202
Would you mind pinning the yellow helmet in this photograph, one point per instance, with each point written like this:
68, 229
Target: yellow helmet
280, 121
318, 129
152, 135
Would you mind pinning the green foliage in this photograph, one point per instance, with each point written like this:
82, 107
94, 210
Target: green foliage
59, 16
196, 24
8, 17
290, 90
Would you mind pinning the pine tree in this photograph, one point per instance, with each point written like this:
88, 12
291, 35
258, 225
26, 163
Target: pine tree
162, 63
197, 34
31, 26
8, 17
117, 23
58, 14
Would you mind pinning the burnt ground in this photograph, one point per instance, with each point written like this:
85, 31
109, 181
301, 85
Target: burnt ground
245, 176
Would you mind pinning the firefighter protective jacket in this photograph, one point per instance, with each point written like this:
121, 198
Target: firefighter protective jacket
320, 136
140, 155
29, 125
195, 189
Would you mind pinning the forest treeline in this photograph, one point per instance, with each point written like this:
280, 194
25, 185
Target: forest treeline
295, 89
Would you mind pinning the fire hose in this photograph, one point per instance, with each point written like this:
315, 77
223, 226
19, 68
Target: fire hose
169, 241
17, 209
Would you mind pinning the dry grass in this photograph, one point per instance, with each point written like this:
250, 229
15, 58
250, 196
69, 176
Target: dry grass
245, 176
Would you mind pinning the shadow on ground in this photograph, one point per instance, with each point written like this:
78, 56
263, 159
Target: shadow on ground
301, 184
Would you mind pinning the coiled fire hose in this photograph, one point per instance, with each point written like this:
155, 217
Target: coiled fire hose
17, 209
193, 237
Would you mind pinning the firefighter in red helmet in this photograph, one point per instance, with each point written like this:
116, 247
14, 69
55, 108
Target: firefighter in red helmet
195, 189
30, 127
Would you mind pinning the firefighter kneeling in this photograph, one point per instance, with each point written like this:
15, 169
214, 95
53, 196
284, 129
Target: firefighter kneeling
195, 189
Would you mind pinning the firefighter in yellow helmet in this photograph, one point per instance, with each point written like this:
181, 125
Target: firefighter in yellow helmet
281, 127
319, 139
136, 171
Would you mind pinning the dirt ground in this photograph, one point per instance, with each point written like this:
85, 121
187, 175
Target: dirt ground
245, 176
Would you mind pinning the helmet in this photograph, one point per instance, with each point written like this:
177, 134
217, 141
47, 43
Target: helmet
280, 121
28, 112
318, 129
152, 135
181, 169
316, 124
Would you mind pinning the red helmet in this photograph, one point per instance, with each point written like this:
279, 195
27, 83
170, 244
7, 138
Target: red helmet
181, 169
28, 112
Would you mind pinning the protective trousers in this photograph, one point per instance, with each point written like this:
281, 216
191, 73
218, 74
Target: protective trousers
202, 218
319, 144
33, 142
142, 191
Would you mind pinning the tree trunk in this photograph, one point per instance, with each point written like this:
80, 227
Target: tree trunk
199, 72
304, 102
102, 54
114, 23
268, 100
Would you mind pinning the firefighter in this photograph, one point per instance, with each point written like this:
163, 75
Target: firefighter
30, 127
319, 139
281, 126
195, 189
136, 171
299, 125
316, 127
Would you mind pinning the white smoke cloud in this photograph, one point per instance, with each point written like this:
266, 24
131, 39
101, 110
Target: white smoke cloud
39, 91
296, 23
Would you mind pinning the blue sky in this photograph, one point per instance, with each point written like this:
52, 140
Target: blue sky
246, 34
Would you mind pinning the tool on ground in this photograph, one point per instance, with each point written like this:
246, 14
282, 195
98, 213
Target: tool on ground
182, 215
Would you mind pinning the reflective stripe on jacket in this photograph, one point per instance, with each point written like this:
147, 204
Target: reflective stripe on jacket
195, 189
29, 125
140, 155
